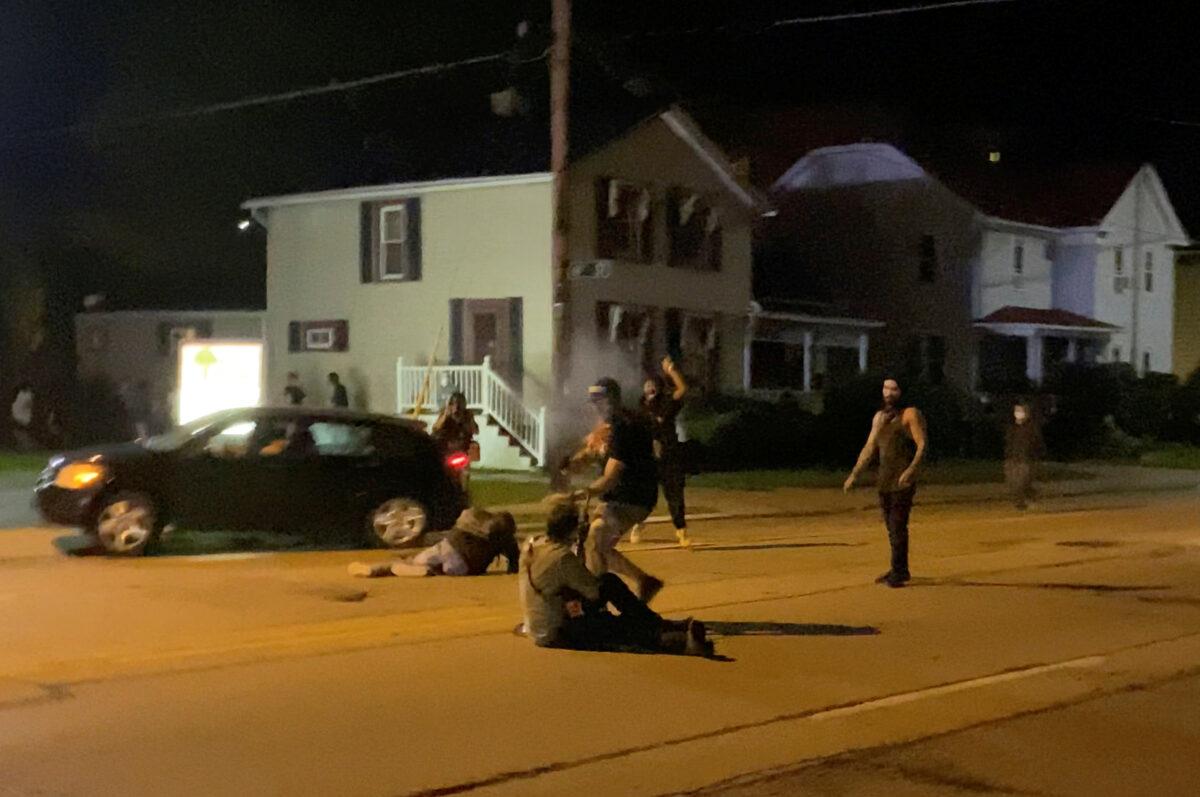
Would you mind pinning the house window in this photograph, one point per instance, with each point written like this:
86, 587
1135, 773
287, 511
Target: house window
1119, 261
1019, 258
694, 229
1145, 362
1148, 272
1048, 250
318, 336
391, 241
1116, 354
928, 266
624, 221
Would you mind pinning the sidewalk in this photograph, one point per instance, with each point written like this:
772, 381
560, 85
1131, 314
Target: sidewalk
815, 502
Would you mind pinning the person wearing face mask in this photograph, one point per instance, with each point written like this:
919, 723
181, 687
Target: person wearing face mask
1023, 447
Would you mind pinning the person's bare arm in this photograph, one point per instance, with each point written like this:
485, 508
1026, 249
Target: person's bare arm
867, 453
677, 380
440, 422
608, 479
914, 421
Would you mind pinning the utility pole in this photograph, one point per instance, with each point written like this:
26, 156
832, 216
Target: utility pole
560, 100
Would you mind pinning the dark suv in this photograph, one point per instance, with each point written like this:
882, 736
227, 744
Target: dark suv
285, 469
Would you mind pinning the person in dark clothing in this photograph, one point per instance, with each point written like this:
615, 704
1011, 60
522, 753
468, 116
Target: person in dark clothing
339, 398
661, 403
455, 427
294, 394
628, 489
898, 437
566, 606
477, 539
1023, 447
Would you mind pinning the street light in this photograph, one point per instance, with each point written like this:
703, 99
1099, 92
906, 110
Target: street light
244, 225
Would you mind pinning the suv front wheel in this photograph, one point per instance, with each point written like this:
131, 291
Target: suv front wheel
126, 524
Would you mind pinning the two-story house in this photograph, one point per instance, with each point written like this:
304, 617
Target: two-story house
412, 290
981, 277
1074, 264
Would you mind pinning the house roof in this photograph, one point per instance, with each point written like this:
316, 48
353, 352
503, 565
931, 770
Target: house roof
1078, 195
1046, 317
809, 312
675, 118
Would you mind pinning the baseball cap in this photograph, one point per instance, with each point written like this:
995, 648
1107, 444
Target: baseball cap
605, 388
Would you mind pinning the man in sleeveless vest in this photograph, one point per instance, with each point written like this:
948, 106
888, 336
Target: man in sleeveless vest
898, 436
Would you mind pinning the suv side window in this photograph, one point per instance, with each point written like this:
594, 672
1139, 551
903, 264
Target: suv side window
231, 442
334, 439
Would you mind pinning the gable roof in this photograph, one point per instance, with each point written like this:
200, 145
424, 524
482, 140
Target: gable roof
849, 164
1049, 317
1059, 196
675, 118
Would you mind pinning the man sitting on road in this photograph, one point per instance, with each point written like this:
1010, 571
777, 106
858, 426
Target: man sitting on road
565, 606
477, 539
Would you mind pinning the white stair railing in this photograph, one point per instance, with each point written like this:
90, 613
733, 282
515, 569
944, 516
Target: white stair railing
485, 392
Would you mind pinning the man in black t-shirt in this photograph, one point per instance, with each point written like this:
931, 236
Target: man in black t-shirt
661, 404
628, 489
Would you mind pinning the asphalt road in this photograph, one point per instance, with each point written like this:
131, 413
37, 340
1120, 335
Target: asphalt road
1054, 652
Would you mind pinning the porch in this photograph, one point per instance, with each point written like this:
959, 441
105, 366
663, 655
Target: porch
1024, 342
512, 436
803, 350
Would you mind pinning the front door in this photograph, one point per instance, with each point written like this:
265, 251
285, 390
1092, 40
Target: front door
489, 328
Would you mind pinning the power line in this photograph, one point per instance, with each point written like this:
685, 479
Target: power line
823, 18
258, 101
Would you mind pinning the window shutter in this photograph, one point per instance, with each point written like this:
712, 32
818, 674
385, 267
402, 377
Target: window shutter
516, 313
456, 331
366, 238
294, 342
341, 336
413, 246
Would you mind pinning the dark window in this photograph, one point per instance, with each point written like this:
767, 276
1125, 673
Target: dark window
391, 241
624, 221
935, 359
1148, 271
1145, 362
694, 229
928, 265
1019, 259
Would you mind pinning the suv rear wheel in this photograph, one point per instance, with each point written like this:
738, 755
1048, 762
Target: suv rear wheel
398, 522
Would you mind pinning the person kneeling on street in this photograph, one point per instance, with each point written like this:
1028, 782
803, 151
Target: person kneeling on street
566, 606
477, 539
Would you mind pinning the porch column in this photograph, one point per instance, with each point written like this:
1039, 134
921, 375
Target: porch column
1072, 350
862, 352
808, 354
1033, 358
747, 354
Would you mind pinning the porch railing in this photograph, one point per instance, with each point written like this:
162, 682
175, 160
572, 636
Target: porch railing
485, 391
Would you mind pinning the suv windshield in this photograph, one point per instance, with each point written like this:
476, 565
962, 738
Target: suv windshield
173, 439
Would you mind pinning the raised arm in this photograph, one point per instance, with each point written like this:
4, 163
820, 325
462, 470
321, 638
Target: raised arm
677, 380
867, 453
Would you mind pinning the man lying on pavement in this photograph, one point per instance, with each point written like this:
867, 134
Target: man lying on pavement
566, 606
477, 539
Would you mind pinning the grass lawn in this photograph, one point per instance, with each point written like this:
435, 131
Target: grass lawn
1183, 457
17, 461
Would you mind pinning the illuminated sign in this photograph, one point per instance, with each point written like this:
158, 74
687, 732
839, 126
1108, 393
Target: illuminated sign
218, 375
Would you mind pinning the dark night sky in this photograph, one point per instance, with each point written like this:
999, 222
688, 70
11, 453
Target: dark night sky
146, 214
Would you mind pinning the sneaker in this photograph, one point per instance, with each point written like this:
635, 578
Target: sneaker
368, 570
635, 534
884, 578
697, 641
684, 540
649, 587
896, 580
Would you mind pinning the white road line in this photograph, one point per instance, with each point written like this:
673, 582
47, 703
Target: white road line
959, 686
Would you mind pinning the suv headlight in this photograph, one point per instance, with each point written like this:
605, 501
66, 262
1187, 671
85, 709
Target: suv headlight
79, 475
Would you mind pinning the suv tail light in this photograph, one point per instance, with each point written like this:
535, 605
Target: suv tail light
458, 461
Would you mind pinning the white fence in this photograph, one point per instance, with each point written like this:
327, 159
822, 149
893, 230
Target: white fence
486, 392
